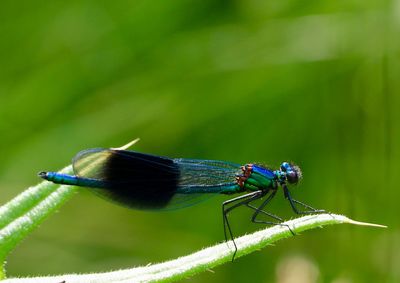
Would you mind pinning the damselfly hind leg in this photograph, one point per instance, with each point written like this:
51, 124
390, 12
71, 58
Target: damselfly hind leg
237, 202
246, 200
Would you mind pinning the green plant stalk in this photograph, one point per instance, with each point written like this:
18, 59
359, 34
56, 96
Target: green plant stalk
25, 201
203, 260
20, 216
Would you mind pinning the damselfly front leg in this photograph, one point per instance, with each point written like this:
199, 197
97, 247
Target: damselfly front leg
292, 202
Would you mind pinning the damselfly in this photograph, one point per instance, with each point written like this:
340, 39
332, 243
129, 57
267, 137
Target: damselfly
144, 181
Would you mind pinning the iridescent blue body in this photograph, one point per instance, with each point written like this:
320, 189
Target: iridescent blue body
146, 181
260, 178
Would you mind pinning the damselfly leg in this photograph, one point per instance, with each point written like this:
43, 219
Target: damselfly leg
259, 210
293, 202
246, 200
238, 201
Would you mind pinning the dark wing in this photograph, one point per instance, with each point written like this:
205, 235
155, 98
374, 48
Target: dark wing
145, 181
133, 179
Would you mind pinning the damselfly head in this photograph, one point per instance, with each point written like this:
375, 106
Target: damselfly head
292, 172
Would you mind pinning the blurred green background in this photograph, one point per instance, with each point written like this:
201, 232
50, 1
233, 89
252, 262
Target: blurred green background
315, 82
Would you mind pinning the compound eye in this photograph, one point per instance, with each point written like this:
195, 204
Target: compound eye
292, 177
